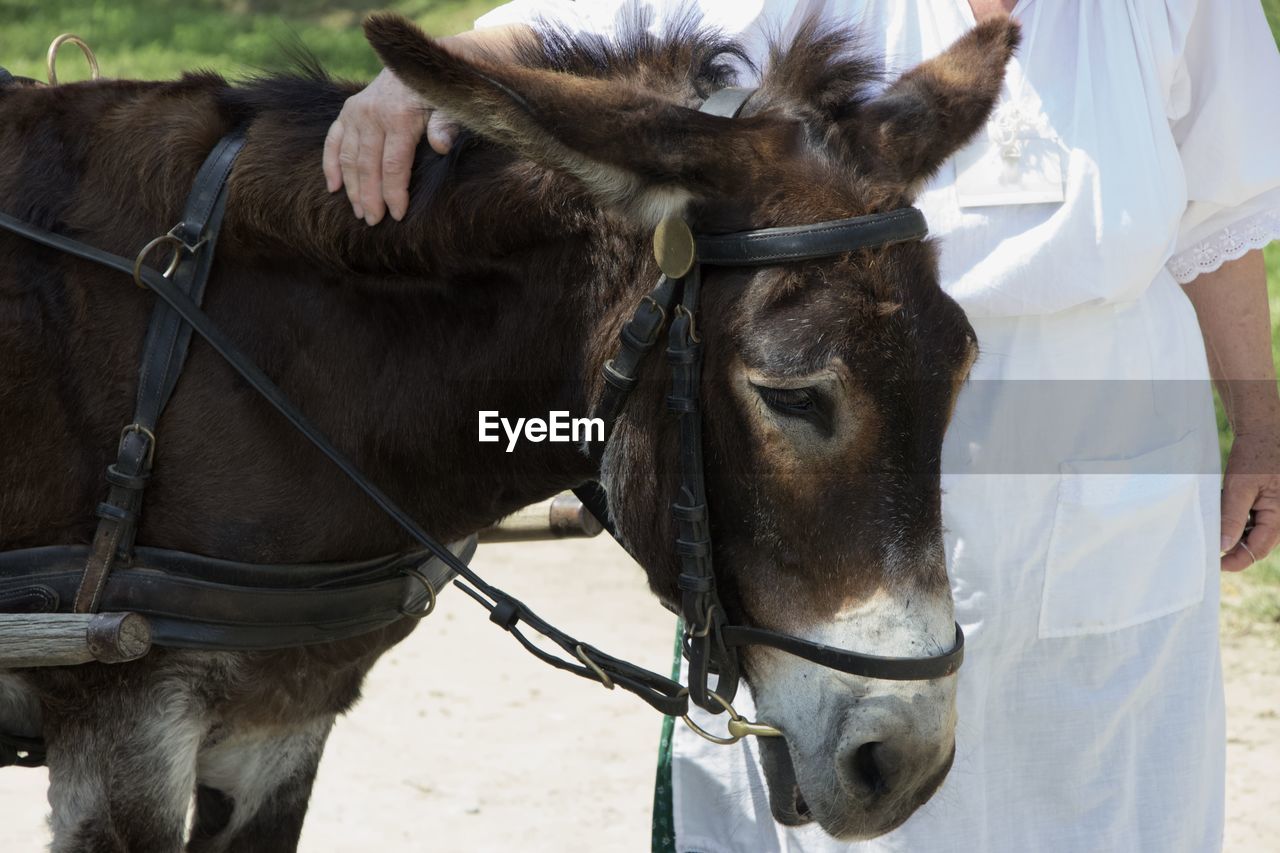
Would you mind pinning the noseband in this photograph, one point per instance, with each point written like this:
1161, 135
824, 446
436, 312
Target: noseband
710, 642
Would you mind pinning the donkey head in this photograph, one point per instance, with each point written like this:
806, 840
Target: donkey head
827, 386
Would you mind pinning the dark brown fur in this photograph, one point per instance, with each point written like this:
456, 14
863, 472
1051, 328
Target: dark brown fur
503, 289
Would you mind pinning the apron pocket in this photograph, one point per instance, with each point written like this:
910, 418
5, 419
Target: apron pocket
1127, 543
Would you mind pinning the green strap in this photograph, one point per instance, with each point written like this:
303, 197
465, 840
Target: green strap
664, 825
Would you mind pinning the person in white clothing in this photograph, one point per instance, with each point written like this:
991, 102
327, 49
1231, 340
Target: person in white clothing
1104, 238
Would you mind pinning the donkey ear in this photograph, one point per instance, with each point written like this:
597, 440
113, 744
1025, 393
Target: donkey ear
635, 152
931, 111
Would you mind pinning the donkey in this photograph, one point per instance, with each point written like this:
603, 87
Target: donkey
827, 388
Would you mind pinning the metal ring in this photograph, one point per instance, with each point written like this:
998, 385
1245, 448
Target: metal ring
51, 59
706, 735
151, 436
594, 667
1247, 550
178, 247
431, 595
739, 726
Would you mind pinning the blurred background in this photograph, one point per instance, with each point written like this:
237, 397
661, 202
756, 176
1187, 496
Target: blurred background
159, 39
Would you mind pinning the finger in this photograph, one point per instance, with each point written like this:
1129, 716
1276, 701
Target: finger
372, 141
442, 132
1265, 535
1238, 495
332, 148
349, 159
1239, 557
397, 164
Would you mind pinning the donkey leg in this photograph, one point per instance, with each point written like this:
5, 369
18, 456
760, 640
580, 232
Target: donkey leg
121, 772
254, 787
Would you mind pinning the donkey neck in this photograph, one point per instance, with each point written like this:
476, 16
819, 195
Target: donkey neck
398, 372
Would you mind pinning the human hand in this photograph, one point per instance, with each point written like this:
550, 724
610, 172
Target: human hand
1252, 482
371, 145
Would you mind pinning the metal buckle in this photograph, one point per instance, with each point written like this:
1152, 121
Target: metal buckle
693, 324
151, 439
431, 595
656, 306
738, 725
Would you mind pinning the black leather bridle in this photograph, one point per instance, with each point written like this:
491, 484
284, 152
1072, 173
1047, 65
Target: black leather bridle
710, 642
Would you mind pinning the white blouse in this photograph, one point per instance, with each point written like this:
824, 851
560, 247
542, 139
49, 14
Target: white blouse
1140, 136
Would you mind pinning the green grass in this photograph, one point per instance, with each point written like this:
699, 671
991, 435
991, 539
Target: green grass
1272, 8
159, 39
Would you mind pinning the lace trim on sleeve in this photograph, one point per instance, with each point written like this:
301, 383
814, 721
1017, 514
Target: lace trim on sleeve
1229, 244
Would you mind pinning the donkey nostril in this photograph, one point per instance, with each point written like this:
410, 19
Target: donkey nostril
866, 769
802, 807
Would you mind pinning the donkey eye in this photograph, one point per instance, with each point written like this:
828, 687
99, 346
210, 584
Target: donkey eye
793, 402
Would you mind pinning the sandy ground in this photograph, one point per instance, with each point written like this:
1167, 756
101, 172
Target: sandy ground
464, 742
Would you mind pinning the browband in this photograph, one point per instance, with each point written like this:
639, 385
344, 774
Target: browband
806, 242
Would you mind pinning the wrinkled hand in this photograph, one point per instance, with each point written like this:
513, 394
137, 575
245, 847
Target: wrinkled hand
370, 147
1252, 482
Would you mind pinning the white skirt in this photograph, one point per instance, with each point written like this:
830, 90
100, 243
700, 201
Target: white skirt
1082, 510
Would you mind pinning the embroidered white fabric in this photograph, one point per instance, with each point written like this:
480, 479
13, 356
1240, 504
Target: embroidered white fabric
1229, 244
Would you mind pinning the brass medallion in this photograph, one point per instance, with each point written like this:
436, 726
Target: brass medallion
673, 247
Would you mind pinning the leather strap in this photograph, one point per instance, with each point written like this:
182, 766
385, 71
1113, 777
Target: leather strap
164, 354
700, 607
805, 242
638, 336
867, 666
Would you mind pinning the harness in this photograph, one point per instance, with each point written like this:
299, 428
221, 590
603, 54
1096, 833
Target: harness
198, 602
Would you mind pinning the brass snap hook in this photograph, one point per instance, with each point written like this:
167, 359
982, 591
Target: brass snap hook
51, 59
594, 667
738, 725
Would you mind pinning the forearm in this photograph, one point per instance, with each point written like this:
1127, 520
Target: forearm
1231, 306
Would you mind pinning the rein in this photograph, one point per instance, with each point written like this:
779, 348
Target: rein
710, 642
